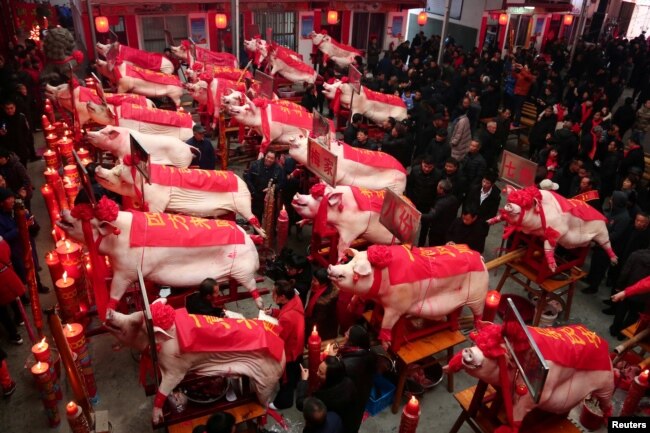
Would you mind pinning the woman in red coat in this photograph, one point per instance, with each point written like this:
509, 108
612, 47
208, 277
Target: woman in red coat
10, 288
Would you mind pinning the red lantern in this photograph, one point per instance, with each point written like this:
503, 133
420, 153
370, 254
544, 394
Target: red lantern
332, 17
503, 19
422, 18
221, 21
568, 20
101, 24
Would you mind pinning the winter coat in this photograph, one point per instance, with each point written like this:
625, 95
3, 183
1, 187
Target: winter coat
19, 138
10, 285
472, 235
360, 368
16, 176
340, 398
291, 318
421, 188
473, 167
323, 313
461, 136
524, 81
643, 119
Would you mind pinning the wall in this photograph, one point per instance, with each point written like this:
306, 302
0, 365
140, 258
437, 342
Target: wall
388, 39
465, 31
304, 45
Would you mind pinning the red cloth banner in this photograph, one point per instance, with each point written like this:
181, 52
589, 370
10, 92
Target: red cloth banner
344, 47
290, 58
227, 72
154, 115
143, 59
198, 333
87, 94
371, 158
368, 199
288, 115
289, 104
147, 75
573, 346
383, 97
578, 208
215, 58
409, 265
171, 230
201, 180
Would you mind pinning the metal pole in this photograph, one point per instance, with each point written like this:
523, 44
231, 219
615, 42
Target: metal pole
578, 31
443, 35
234, 26
92, 26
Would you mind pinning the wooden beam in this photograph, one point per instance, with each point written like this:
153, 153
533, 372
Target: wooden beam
506, 258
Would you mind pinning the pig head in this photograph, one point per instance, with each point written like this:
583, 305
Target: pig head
391, 275
257, 49
577, 359
263, 369
163, 150
569, 223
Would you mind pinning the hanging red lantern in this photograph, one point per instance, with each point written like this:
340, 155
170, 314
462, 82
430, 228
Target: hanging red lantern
332, 17
422, 18
568, 20
221, 21
503, 19
101, 24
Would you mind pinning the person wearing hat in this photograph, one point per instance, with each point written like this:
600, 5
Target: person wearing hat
206, 160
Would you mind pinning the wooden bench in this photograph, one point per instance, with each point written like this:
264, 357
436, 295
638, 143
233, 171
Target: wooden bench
482, 409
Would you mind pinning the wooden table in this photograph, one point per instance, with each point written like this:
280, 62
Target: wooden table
547, 290
242, 413
421, 349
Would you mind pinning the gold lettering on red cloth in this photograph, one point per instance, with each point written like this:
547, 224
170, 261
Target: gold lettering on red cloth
572, 337
194, 179
586, 196
550, 333
371, 158
578, 208
167, 118
209, 320
170, 230
152, 76
383, 97
591, 336
572, 346
289, 116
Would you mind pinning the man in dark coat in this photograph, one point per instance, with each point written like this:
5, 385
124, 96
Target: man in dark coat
204, 301
452, 173
16, 177
350, 132
439, 148
541, 131
624, 116
473, 164
15, 133
442, 214
420, 186
206, 160
468, 229
485, 198
257, 178
318, 419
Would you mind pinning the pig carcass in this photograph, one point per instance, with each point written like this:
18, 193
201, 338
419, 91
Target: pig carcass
209, 71
140, 58
258, 50
174, 250
343, 55
286, 62
176, 124
202, 193
206, 346
82, 95
577, 358
234, 98
358, 167
186, 52
374, 105
274, 122
208, 93
353, 212
133, 79
423, 282
162, 149
569, 223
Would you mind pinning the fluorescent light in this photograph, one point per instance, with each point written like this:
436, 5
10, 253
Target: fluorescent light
529, 7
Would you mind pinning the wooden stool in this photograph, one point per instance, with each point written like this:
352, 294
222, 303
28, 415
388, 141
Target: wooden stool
547, 290
482, 409
421, 349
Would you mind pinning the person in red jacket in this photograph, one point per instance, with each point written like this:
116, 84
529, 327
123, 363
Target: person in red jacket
525, 80
10, 288
291, 317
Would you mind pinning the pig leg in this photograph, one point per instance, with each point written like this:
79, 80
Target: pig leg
549, 253
607, 246
170, 379
118, 286
251, 286
604, 397
344, 244
391, 317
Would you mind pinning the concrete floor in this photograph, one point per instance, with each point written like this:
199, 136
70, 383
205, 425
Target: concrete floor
117, 372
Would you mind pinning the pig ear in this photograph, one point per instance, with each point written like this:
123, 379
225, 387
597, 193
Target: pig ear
334, 199
113, 134
351, 252
160, 300
106, 228
161, 334
251, 106
362, 268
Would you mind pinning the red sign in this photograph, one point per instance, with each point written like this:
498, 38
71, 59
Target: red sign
400, 217
266, 84
517, 170
322, 162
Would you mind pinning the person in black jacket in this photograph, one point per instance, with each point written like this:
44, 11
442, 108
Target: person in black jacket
541, 131
320, 308
299, 273
473, 164
16, 177
337, 391
397, 144
350, 132
439, 148
15, 133
318, 419
257, 178
206, 160
485, 198
205, 300
452, 173
632, 157
421, 184
468, 229
442, 214
624, 116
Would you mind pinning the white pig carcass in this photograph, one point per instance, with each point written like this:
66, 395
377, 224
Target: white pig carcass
83, 95
140, 58
343, 55
374, 105
176, 124
559, 221
202, 193
353, 212
205, 346
577, 358
286, 62
258, 50
423, 282
209, 93
162, 149
358, 167
186, 52
173, 250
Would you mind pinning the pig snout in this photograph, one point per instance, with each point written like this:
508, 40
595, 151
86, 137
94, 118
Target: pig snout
472, 359
334, 273
298, 201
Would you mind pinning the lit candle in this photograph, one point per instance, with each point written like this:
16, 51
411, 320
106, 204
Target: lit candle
78, 423
46, 385
51, 159
70, 257
51, 176
66, 295
313, 343
410, 416
637, 390
491, 305
51, 204
49, 111
70, 171
65, 149
71, 190
51, 138
41, 351
83, 153
74, 334
45, 122
54, 265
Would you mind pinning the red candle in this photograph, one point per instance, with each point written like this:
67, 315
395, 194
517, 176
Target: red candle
50, 137
410, 416
77, 422
46, 385
51, 176
66, 295
71, 190
74, 334
49, 111
51, 159
51, 203
83, 153
45, 122
282, 228
65, 149
491, 305
41, 351
54, 266
70, 256
70, 171
637, 390
314, 343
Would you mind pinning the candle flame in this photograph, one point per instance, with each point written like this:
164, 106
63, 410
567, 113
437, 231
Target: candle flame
65, 278
50, 170
50, 255
414, 401
88, 266
38, 366
314, 331
67, 244
81, 149
68, 327
43, 341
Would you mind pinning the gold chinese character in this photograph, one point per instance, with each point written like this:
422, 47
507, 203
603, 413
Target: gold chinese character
178, 219
200, 223
463, 249
248, 323
154, 219
549, 332
408, 251
223, 223
270, 327
194, 317
572, 336
443, 251
591, 336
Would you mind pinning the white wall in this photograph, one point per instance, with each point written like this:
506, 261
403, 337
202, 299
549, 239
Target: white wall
388, 36
304, 45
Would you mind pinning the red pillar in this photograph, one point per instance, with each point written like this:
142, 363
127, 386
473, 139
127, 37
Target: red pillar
346, 22
481, 33
212, 31
131, 25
